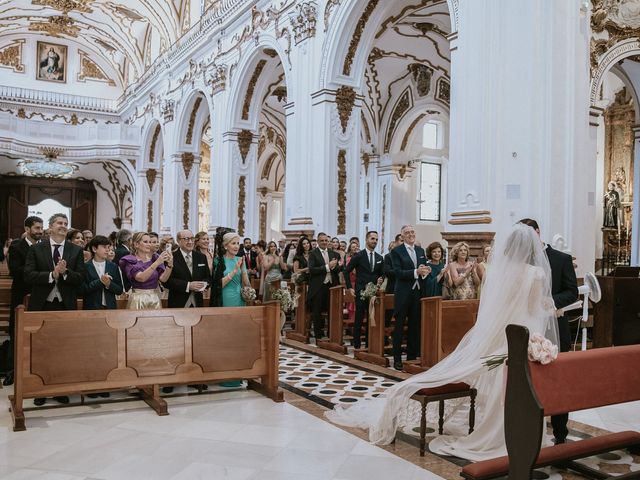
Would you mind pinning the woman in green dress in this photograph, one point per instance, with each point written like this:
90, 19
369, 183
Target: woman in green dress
235, 272
434, 279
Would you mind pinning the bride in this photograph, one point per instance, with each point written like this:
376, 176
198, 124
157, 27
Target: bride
517, 290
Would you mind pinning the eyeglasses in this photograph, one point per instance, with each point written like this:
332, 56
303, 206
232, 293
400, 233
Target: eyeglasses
187, 239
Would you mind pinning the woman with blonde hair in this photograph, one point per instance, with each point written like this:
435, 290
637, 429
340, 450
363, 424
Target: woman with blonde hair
463, 274
202, 246
145, 270
230, 273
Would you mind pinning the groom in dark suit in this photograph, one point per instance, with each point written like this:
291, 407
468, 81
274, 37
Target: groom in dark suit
564, 290
410, 268
369, 267
324, 266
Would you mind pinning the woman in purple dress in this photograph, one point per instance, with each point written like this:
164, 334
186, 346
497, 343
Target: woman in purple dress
145, 270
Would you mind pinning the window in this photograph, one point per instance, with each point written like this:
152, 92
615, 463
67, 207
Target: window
430, 174
430, 136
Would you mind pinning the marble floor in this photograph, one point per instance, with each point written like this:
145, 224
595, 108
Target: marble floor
223, 435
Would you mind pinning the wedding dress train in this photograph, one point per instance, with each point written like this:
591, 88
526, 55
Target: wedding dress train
516, 290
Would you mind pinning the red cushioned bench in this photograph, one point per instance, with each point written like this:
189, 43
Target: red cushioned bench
574, 381
440, 394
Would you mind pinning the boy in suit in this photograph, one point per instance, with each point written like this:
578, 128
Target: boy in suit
103, 281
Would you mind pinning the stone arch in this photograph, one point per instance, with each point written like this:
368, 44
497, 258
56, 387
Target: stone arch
407, 127
625, 49
193, 116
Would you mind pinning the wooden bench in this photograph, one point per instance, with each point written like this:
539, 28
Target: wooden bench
300, 332
377, 333
338, 296
574, 381
70, 352
443, 324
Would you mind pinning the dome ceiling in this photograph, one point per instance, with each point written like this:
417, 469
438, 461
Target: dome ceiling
128, 35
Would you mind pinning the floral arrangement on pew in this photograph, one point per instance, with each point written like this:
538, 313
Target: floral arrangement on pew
540, 350
299, 279
248, 294
286, 300
370, 294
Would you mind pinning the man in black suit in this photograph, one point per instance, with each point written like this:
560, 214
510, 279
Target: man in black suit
369, 268
410, 268
391, 283
564, 290
123, 248
188, 280
17, 258
103, 280
189, 275
323, 274
250, 257
55, 270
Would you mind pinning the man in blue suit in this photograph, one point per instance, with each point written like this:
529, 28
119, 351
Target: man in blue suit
103, 281
410, 269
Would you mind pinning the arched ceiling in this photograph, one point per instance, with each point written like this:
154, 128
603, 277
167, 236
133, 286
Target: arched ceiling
129, 34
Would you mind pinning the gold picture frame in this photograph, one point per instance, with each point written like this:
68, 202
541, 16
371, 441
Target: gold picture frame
51, 64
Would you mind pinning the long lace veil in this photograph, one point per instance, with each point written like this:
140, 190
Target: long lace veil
516, 289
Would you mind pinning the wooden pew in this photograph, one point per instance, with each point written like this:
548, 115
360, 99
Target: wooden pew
443, 324
375, 347
70, 352
338, 296
300, 333
574, 381
5, 305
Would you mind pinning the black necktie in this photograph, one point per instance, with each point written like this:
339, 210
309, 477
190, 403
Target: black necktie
371, 260
56, 254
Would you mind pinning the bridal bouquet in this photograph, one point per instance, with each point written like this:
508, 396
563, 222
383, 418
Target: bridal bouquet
287, 302
541, 349
248, 294
370, 291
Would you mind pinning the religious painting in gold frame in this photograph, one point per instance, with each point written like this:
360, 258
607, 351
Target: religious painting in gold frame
51, 62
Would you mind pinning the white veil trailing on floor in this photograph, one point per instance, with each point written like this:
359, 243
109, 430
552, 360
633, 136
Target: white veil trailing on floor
516, 289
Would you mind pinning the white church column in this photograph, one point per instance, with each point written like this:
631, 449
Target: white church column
519, 121
221, 154
635, 237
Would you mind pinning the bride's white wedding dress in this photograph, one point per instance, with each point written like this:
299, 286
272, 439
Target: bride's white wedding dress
516, 290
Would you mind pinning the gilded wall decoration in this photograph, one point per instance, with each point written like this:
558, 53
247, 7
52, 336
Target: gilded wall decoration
73, 119
217, 78
151, 177
66, 6
407, 134
149, 215
342, 192
90, 70
266, 170
328, 10
52, 62
11, 56
280, 92
186, 17
366, 159
56, 27
185, 209
303, 21
152, 146
118, 192
402, 107
345, 100
242, 196
443, 90
251, 87
357, 35
187, 163
263, 219
245, 137
612, 21
192, 120
365, 125
421, 76
167, 109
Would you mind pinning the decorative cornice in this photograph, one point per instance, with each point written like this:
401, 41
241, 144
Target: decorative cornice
60, 100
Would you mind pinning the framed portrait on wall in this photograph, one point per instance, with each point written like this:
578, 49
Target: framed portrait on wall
52, 62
